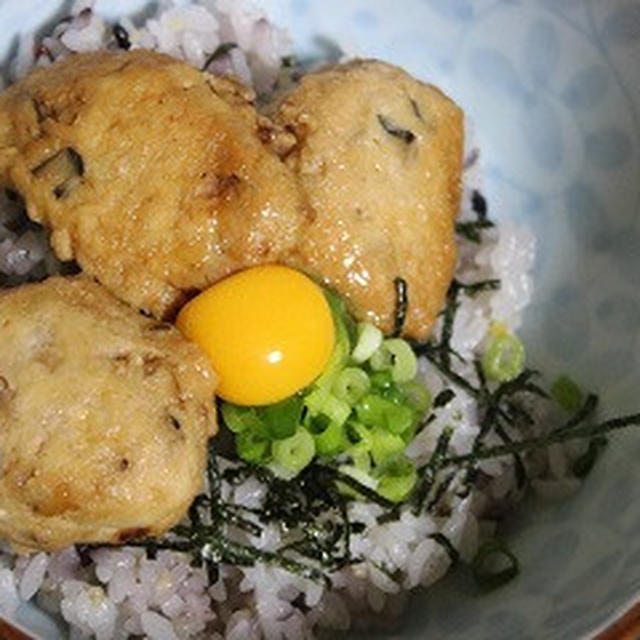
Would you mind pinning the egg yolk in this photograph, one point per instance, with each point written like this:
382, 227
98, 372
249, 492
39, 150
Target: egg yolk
268, 331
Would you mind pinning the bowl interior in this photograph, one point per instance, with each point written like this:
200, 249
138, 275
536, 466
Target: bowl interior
553, 90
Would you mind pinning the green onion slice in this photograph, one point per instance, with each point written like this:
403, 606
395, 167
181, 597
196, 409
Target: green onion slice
351, 384
294, 453
360, 456
384, 445
369, 340
342, 348
404, 364
567, 394
417, 394
375, 411
380, 359
331, 440
504, 359
253, 446
397, 478
361, 433
322, 402
282, 418
381, 380
494, 565
239, 419
364, 478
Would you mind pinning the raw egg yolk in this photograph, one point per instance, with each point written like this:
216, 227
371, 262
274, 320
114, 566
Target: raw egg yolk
268, 331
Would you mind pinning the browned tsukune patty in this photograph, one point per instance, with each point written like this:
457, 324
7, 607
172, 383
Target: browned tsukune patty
154, 177
104, 417
151, 174
379, 157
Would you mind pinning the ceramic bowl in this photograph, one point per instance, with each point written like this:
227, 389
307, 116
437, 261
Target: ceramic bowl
553, 87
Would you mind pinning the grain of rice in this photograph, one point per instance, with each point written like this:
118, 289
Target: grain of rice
157, 627
33, 576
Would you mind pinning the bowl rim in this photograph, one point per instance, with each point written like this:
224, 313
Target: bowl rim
12, 630
623, 624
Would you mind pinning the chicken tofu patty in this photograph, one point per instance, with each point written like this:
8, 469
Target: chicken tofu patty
104, 417
151, 174
379, 157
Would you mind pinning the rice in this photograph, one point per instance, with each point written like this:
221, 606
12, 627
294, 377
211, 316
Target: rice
122, 592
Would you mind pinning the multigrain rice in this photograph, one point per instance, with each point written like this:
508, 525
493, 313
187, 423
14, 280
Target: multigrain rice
123, 592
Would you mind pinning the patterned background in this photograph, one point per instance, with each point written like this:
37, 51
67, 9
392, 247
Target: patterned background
553, 87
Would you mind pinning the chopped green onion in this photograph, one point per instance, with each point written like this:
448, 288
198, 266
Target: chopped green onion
383, 385
410, 431
317, 424
331, 440
397, 478
282, 418
381, 380
238, 419
583, 465
360, 457
369, 340
376, 411
380, 359
371, 411
341, 314
417, 394
394, 394
321, 402
359, 433
294, 453
567, 394
494, 565
362, 477
253, 446
401, 419
351, 384
404, 365
341, 349
384, 445
504, 359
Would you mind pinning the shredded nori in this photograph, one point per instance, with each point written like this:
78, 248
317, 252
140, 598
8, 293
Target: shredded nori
312, 509
440, 491
221, 51
542, 442
440, 351
472, 231
500, 410
446, 544
587, 409
402, 305
122, 37
301, 506
443, 398
479, 205
428, 472
583, 465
